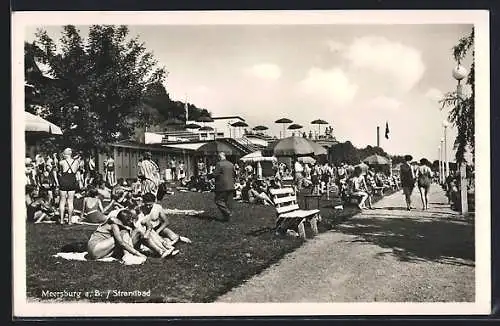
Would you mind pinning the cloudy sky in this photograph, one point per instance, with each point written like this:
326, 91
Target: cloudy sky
356, 77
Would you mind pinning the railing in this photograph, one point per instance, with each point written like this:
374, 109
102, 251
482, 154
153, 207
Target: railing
247, 143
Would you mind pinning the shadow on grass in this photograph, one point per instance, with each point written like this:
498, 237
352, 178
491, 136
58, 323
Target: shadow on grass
221, 256
414, 239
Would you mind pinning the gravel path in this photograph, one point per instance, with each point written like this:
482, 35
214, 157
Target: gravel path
387, 254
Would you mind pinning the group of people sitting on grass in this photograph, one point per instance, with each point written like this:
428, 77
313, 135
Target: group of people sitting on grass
141, 223
90, 204
256, 190
56, 188
129, 218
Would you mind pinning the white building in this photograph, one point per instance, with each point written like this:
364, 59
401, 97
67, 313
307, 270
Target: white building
220, 128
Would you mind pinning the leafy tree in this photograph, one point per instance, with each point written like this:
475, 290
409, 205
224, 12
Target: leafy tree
462, 109
99, 82
344, 152
396, 159
371, 150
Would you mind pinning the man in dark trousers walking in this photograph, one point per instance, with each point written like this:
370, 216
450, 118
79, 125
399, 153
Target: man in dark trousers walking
407, 176
224, 185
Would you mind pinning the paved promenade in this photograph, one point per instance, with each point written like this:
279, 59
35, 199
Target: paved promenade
387, 254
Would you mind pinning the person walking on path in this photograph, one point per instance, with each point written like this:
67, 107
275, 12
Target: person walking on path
224, 185
407, 176
424, 179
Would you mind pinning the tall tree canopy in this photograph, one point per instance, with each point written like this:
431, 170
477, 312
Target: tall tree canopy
462, 109
100, 89
98, 83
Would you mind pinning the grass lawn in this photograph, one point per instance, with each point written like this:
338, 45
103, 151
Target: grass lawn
222, 255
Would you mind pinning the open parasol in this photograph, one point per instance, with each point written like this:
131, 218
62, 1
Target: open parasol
215, 146
260, 128
239, 125
306, 160
318, 149
257, 157
293, 146
36, 124
319, 122
193, 126
295, 126
283, 121
376, 159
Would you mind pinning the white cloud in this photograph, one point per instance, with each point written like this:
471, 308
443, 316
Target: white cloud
384, 103
434, 94
335, 46
268, 71
331, 85
392, 61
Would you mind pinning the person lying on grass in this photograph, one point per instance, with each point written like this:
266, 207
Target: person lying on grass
118, 236
152, 217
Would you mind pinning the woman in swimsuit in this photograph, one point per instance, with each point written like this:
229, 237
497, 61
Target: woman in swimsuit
424, 179
113, 237
93, 210
68, 184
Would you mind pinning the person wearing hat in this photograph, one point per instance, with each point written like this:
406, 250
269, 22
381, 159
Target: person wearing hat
149, 174
407, 176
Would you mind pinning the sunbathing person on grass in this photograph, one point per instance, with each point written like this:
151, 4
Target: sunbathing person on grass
93, 210
256, 195
118, 237
152, 217
38, 206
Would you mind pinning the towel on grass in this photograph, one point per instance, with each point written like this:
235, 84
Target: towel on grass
80, 256
182, 211
128, 259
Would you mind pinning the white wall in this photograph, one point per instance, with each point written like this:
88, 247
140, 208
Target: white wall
152, 138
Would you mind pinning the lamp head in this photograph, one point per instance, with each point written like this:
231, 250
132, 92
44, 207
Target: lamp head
459, 72
445, 123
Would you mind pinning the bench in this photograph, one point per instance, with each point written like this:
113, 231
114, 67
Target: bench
289, 214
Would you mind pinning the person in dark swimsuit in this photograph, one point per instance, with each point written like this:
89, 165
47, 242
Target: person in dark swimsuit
424, 179
68, 184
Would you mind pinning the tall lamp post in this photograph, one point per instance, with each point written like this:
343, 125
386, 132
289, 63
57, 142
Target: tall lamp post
441, 162
446, 162
459, 73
